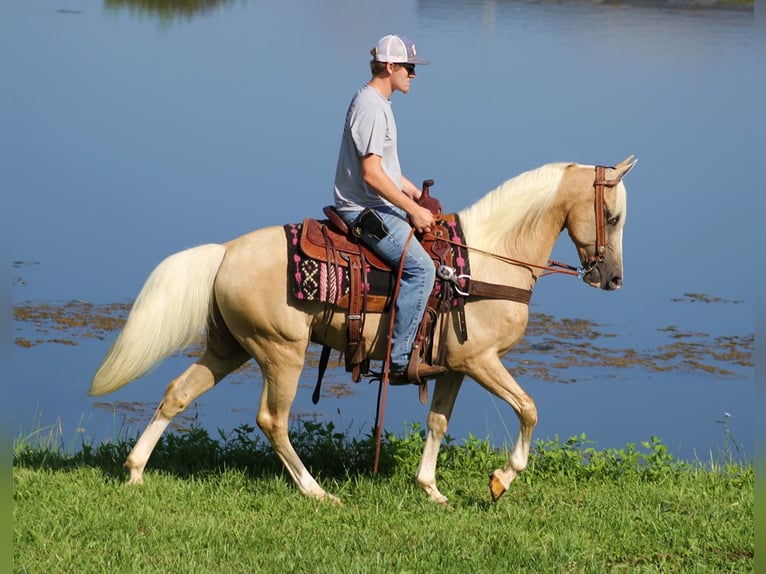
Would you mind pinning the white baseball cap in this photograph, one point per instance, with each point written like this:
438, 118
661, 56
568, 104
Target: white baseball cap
397, 49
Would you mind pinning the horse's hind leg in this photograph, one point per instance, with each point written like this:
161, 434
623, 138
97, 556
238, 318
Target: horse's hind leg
180, 393
281, 375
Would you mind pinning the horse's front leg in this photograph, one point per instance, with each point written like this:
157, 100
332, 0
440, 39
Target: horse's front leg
445, 393
490, 373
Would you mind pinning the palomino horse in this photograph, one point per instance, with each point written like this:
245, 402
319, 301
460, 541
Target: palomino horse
219, 292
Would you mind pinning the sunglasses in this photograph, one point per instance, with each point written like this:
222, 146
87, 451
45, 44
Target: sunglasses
409, 67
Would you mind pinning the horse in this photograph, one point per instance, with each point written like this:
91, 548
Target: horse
234, 297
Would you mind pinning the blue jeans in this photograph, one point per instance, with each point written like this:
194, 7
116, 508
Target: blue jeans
418, 275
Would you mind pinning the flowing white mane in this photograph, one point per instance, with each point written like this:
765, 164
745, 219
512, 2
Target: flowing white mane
516, 202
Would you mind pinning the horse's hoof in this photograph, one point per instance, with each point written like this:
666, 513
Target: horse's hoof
334, 500
136, 477
433, 493
441, 500
496, 488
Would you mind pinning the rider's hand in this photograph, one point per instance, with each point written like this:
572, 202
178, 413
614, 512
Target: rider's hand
422, 219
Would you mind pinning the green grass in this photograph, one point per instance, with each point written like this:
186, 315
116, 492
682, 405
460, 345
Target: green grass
224, 504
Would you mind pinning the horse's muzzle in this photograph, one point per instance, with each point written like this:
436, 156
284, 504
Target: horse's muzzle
600, 277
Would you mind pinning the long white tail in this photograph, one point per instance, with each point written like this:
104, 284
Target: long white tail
169, 314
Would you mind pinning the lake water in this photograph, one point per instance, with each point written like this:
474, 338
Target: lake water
130, 134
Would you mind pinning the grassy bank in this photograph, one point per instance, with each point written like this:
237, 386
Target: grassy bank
224, 504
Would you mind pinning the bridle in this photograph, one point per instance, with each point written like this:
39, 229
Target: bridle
600, 184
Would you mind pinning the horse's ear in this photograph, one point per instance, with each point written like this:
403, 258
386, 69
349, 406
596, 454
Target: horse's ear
622, 168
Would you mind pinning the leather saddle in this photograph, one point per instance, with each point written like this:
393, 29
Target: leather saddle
333, 234
331, 242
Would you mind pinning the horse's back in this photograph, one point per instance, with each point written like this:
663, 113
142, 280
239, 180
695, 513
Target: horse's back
255, 258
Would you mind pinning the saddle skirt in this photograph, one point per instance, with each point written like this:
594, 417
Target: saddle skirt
320, 258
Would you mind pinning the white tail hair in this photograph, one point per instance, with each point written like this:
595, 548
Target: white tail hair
170, 314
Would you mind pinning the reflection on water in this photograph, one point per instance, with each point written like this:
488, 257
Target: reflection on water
551, 349
166, 10
130, 143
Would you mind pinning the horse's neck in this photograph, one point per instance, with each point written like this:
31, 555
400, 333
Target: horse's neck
529, 249
521, 223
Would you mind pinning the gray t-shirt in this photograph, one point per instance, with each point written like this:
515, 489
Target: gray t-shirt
369, 129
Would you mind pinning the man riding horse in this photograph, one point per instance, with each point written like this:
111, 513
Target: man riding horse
375, 199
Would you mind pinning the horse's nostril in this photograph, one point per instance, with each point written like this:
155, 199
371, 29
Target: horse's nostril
616, 282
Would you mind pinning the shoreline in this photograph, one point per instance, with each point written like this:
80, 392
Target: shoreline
721, 5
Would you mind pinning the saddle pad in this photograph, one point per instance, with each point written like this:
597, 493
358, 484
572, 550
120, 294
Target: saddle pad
312, 279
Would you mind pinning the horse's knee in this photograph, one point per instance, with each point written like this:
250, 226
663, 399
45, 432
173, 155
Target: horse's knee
528, 414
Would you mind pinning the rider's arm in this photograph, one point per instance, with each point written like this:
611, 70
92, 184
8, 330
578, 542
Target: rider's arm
374, 176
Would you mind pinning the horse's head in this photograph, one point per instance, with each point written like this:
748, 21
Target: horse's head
595, 222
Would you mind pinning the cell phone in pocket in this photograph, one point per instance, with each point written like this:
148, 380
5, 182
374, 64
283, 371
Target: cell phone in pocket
371, 222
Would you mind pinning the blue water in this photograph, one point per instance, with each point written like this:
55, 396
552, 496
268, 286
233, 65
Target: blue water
129, 137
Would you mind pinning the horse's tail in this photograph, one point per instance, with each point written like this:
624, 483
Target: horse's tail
170, 314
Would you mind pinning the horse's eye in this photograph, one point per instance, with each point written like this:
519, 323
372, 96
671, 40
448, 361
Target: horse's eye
614, 220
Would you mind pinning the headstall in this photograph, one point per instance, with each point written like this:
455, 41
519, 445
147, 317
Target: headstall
600, 185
